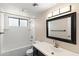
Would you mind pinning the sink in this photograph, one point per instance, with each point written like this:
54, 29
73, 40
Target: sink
49, 50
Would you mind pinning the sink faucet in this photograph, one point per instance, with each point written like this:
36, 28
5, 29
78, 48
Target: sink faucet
55, 43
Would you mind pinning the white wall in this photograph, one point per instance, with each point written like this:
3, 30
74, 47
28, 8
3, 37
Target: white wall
32, 29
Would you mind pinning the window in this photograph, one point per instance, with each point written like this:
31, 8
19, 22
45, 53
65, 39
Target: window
17, 22
13, 22
23, 23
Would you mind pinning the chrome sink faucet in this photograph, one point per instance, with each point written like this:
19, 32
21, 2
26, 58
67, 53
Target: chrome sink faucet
55, 43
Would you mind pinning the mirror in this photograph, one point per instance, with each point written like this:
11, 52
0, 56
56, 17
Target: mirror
62, 28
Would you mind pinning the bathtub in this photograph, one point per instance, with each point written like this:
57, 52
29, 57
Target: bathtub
16, 52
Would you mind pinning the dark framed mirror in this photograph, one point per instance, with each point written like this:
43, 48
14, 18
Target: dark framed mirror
62, 28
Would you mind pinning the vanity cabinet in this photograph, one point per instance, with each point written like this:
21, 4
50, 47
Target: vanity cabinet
36, 52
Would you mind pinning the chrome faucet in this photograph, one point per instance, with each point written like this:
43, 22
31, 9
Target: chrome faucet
55, 43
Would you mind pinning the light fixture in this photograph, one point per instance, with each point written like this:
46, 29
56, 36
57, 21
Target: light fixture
65, 9
35, 4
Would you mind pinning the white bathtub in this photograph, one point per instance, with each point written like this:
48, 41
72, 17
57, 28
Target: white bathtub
16, 52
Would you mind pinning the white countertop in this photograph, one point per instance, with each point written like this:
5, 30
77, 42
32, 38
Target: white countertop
47, 49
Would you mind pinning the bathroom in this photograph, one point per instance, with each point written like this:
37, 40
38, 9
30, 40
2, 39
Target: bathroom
24, 29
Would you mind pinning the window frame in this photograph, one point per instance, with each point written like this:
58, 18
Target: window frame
19, 20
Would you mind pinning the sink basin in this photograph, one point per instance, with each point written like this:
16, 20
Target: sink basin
49, 50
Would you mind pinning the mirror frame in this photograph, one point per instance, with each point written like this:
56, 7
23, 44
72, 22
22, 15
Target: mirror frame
73, 28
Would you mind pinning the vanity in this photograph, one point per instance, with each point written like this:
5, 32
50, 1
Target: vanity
47, 49
62, 28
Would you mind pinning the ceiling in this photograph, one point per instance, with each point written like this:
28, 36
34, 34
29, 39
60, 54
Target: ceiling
29, 8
